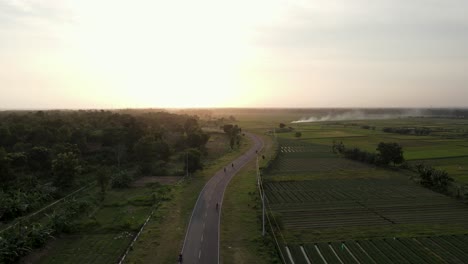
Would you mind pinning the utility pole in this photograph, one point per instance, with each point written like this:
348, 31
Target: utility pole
186, 164
263, 214
258, 173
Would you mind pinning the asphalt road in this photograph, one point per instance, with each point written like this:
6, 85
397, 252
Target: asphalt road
201, 244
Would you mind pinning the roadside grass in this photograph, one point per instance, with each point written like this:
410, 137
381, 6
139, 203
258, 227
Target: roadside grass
241, 239
163, 237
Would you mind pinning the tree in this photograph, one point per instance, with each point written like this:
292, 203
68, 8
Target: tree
232, 142
148, 149
191, 125
233, 133
197, 140
390, 152
18, 160
6, 175
65, 168
39, 159
121, 179
282, 125
102, 178
194, 160
228, 128
298, 134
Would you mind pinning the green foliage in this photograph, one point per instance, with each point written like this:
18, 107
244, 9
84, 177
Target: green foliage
233, 132
6, 175
18, 160
390, 152
298, 134
418, 131
121, 179
102, 179
65, 168
194, 160
437, 180
15, 203
39, 158
22, 238
13, 245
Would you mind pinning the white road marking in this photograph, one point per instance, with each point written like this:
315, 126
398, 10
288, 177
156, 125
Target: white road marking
199, 253
201, 240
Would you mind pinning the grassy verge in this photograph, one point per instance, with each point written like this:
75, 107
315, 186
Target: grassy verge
241, 240
162, 239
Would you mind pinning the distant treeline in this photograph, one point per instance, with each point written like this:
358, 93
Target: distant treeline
418, 131
387, 153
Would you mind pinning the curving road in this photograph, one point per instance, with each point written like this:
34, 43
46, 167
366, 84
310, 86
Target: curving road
201, 244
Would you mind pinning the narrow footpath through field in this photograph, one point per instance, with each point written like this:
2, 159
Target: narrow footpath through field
201, 244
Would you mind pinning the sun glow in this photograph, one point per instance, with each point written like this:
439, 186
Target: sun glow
162, 53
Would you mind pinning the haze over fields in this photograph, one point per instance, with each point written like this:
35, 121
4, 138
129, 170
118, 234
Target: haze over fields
275, 53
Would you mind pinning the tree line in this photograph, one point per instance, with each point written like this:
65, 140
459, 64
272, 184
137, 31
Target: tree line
44, 154
392, 153
387, 153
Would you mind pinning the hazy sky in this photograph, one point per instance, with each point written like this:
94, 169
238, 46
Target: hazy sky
259, 53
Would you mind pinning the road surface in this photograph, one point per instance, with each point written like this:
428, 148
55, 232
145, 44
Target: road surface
201, 244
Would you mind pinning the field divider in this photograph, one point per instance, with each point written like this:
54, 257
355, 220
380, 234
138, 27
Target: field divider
336, 255
305, 255
320, 254
130, 246
289, 255
23, 218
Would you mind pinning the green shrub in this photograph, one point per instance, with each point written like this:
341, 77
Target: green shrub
121, 179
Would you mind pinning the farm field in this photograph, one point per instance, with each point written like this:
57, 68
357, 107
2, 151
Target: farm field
436, 249
319, 199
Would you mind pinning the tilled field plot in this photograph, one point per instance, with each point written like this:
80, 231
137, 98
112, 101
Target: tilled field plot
435, 249
345, 203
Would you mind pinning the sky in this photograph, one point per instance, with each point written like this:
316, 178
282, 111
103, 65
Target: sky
243, 53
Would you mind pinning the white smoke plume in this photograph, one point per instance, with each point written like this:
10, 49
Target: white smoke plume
360, 115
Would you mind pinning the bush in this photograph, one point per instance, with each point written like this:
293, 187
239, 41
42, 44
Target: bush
121, 179
437, 180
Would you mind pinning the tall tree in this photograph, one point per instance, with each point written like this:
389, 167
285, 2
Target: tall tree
390, 152
65, 168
